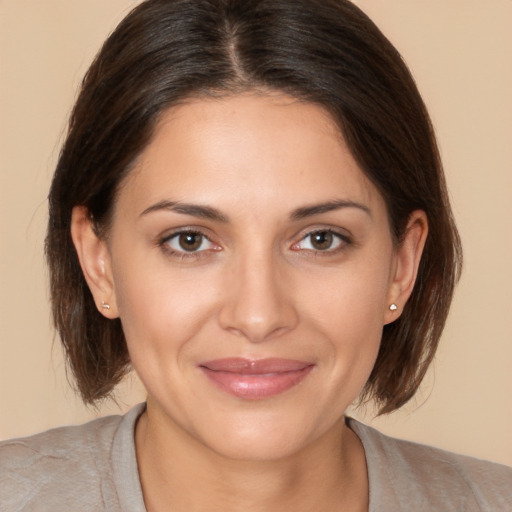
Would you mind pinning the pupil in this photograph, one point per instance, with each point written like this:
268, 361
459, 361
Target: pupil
322, 240
190, 241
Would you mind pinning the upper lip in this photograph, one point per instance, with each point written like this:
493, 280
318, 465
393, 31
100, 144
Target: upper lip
245, 366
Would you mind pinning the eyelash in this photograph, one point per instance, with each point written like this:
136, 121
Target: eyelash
342, 241
164, 243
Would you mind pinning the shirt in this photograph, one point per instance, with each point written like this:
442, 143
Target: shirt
93, 467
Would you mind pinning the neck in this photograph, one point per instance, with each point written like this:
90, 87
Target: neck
178, 471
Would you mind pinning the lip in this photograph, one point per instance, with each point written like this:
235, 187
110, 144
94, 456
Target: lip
255, 379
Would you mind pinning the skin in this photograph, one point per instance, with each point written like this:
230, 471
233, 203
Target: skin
256, 287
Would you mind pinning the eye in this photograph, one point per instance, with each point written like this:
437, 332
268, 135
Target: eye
321, 240
188, 241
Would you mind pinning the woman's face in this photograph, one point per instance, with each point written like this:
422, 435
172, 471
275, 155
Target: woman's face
252, 267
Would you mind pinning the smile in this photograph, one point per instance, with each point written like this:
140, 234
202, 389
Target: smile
255, 379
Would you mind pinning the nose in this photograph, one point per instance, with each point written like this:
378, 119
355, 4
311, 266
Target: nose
258, 301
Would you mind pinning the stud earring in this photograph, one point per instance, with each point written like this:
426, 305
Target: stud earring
393, 307
104, 305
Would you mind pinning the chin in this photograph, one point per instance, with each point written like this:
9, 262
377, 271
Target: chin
264, 435
258, 446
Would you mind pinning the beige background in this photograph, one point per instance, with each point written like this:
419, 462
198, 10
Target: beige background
460, 54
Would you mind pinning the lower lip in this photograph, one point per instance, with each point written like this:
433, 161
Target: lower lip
256, 386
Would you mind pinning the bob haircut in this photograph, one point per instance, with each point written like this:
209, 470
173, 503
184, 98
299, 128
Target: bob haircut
327, 52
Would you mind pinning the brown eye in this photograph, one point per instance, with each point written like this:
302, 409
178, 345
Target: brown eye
322, 240
190, 241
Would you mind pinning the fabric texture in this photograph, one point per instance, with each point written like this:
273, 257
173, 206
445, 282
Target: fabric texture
93, 467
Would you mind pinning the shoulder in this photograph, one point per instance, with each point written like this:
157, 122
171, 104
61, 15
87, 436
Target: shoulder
63, 467
438, 479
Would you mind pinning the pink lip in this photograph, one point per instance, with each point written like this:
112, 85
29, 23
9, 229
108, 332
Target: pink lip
255, 379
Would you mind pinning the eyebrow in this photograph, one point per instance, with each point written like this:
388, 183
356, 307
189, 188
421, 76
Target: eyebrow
316, 209
195, 210
207, 212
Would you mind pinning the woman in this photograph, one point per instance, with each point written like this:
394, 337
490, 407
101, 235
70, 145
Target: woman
250, 210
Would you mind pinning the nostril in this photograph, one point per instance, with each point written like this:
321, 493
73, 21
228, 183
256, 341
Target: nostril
256, 301
257, 318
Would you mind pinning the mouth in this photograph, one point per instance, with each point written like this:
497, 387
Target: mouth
255, 379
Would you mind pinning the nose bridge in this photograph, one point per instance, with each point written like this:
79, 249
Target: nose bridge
257, 304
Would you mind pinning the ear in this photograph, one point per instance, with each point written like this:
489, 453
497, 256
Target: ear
95, 261
406, 262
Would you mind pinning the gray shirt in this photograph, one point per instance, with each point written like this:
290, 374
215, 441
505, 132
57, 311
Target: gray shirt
93, 467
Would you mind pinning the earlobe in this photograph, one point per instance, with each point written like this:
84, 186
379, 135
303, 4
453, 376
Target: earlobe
94, 259
406, 263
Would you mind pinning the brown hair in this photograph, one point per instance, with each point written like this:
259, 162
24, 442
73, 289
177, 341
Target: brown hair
323, 51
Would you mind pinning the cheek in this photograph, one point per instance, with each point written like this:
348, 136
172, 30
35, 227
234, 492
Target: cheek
351, 299
160, 310
354, 329
349, 311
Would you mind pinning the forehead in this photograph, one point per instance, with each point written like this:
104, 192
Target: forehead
246, 150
